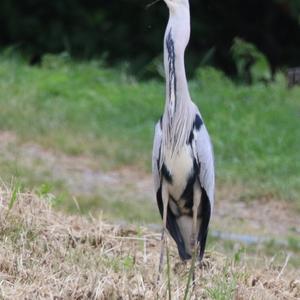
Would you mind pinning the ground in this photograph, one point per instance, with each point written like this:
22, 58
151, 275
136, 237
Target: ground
47, 254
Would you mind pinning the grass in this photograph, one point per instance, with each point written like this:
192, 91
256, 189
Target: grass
224, 286
86, 109
115, 206
47, 254
239, 250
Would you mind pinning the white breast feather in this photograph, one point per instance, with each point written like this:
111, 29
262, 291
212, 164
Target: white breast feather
180, 167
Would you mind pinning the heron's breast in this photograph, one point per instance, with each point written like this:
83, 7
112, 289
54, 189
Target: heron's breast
180, 167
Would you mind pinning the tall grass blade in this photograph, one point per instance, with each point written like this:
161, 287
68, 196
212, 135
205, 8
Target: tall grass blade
169, 272
191, 272
13, 197
14, 194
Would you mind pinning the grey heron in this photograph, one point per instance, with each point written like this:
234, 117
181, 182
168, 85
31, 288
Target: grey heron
182, 158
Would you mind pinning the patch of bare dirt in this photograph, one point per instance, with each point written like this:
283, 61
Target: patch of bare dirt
81, 175
264, 216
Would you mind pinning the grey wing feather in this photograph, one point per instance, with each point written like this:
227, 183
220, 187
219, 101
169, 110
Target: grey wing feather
205, 157
156, 156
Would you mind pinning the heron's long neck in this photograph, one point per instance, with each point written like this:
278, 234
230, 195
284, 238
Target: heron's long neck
177, 121
177, 32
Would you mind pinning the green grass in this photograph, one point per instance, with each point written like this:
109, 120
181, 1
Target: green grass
238, 250
85, 108
223, 286
114, 206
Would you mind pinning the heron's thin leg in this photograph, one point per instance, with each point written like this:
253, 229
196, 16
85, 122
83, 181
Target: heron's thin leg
194, 237
196, 204
161, 257
165, 199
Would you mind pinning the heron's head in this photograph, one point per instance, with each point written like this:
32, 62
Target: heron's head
177, 4
179, 21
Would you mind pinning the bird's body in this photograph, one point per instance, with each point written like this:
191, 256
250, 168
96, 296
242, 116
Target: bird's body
182, 162
180, 166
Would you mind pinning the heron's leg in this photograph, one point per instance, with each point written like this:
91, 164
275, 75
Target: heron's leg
196, 204
165, 199
194, 237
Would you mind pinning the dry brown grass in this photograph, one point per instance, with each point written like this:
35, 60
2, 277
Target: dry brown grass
45, 254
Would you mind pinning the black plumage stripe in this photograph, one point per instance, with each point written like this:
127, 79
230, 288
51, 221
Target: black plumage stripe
188, 193
172, 70
166, 174
196, 126
205, 217
198, 122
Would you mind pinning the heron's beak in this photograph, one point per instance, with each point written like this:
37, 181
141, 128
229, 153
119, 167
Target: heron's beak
151, 4
170, 3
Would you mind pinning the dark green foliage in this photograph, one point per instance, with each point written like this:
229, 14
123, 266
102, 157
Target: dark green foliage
124, 30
